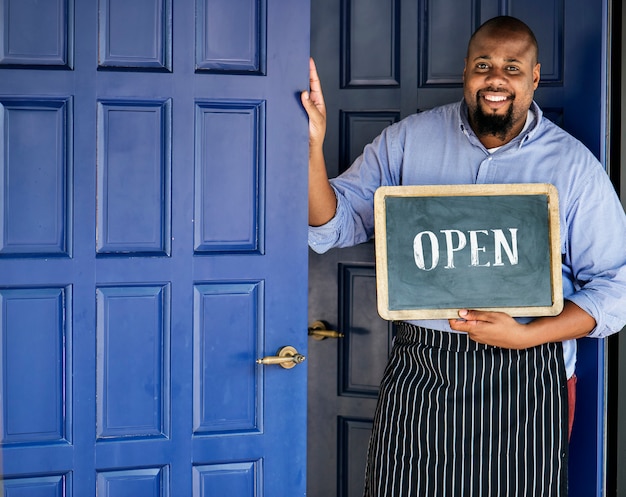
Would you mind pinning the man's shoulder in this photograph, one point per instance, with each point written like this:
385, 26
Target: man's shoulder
550, 131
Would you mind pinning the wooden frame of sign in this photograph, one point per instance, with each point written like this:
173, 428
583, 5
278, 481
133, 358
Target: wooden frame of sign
488, 247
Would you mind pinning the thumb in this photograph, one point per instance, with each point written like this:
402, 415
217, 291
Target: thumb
469, 315
305, 98
311, 109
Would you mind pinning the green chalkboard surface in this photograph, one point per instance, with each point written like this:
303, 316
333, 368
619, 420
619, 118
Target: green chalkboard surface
444, 248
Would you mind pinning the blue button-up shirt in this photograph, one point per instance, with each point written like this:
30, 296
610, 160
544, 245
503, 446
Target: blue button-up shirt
438, 147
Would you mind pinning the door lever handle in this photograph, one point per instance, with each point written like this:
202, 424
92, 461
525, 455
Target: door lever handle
318, 331
287, 357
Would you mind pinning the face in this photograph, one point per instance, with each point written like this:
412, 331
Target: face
500, 77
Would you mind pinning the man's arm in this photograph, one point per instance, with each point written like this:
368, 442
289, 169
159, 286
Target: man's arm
322, 200
501, 330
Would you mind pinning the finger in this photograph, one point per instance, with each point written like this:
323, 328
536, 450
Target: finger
314, 80
468, 320
309, 106
458, 325
305, 98
476, 316
315, 85
461, 325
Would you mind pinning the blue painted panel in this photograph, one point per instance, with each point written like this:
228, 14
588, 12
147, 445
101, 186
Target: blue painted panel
124, 439
35, 176
229, 179
228, 329
231, 36
364, 350
370, 43
353, 439
549, 30
357, 129
241, 479
133, 389
34, 330
443, 38
149, 482
44, 486
135, 34
134, 162
555, 114
35, 33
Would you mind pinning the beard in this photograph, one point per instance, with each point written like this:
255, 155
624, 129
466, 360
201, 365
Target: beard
492, 124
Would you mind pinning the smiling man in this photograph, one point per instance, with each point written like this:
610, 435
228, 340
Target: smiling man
481, 405
500, 76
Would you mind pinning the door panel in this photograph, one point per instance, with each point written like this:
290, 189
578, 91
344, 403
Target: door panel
380, 62
152, 247
344, 373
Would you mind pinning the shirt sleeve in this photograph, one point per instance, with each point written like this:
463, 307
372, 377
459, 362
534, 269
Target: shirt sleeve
596, 253
343, 230
353, 222
323, 238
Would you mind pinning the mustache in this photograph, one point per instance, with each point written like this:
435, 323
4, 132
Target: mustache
482, 91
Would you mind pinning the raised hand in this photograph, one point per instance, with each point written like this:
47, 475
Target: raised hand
313, 102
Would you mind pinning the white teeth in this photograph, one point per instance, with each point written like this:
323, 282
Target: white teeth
494, 98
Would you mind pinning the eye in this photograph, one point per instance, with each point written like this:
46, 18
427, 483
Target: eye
482, 66
512, 68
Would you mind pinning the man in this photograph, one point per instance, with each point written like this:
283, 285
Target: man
479, 405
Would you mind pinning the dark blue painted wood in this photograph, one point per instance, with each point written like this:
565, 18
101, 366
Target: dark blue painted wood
434, 35
372, 60
357, 129
353, 434
367, 338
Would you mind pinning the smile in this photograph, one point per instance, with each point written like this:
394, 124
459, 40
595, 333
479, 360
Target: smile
495, 98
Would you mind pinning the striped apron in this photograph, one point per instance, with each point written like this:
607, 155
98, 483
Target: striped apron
456, 418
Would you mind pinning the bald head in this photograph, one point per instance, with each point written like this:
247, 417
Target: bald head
503, 25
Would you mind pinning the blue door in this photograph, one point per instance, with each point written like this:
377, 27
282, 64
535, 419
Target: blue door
152, 247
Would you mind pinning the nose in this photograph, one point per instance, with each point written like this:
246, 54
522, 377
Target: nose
496, 76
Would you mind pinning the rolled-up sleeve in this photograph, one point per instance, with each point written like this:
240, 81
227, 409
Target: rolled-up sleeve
340, 231
596, 254
353, 222
323, 238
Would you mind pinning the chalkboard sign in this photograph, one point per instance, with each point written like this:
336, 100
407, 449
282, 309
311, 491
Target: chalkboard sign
489, 247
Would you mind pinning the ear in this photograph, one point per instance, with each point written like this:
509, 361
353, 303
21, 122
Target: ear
536, 75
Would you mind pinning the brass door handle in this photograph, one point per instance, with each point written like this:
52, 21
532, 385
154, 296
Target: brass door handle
287, 357
318, 330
